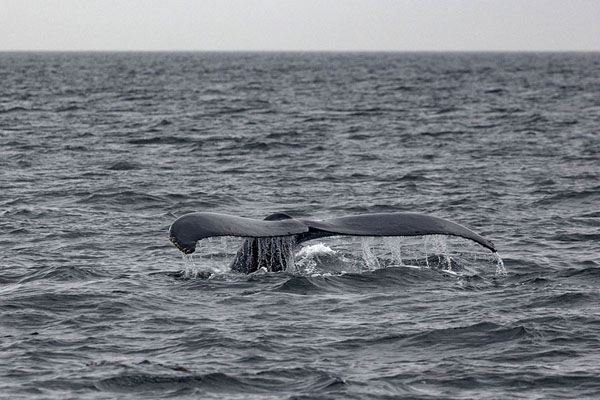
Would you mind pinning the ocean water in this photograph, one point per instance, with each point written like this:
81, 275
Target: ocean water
101, 152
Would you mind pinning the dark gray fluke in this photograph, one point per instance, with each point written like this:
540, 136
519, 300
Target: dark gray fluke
395, 224
188, 229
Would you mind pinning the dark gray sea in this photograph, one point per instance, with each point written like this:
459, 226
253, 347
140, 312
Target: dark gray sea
101, 152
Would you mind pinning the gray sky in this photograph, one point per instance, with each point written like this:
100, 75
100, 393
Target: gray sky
398, 25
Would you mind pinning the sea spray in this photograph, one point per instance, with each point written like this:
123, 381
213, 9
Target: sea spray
218, 256
395, 249
437, 245
368, 253
447, 253
309, 257
212, 257
190, 271
500, 269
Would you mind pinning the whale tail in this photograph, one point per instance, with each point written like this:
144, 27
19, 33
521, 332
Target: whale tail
271, 241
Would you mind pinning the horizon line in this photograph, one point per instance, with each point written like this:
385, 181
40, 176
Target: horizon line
283, 51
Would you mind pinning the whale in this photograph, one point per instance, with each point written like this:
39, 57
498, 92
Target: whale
269, 243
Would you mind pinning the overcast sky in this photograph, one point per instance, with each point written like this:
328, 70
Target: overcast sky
391, 25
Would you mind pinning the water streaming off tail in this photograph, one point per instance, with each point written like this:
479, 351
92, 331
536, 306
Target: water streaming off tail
368, 254
446, 253
270, 254
218, 255
213, 256
500, 269
190, 270
341, 255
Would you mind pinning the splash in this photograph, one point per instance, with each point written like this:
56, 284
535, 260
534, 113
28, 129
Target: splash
437, 245
449, 254
310, 257
395, 249
368, 253
314, 249
500, 269
212, 257
190, 271
339, 255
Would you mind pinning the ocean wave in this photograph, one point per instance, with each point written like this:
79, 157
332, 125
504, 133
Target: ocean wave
173, 140
482, 334
123, 166
17, 109
63, 273
120, 197
213, 382
72, 107
272, 381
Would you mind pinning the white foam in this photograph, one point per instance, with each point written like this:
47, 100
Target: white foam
315, 249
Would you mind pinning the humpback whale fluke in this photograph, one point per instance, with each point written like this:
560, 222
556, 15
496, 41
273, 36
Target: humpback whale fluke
188, 229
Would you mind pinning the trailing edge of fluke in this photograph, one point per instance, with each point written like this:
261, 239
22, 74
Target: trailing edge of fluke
188, 229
